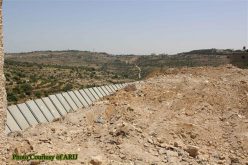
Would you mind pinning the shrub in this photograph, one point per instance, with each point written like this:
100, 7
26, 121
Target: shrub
37, 94
16, 89
7, 75
16, 78
67, 87
33, 78
46, 93
26, 88
115, 76
11, 97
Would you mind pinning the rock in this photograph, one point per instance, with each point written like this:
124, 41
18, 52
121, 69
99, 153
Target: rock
122, 156
100, 120
140, 93
160, 139
163, 145
15, 134
123, 130
170, 153
222, 157
130, 88
146, 145
192, 150
172, 157
193, 135
178, 144
56, 119
45, 141
173, 160
112, 131
202, 157
130, 109
150, 140
96, 160
161, 151
234, 159
180, 152
34, 134
64, 133
139, 130
221, 162
183, 135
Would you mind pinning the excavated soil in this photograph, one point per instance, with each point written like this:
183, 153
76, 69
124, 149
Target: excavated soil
181, 116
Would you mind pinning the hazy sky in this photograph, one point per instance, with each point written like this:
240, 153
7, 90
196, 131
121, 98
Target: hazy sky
124, 27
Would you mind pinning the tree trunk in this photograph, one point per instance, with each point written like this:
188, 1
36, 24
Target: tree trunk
3, 101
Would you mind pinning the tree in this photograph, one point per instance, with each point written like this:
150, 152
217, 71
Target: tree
26, 88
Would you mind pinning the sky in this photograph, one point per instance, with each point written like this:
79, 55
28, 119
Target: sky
124, 26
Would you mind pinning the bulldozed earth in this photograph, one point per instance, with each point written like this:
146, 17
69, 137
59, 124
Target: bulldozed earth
179, 116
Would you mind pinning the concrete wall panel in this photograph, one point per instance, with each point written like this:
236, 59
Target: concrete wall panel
64, 102
102, 92
111, 87
75, 99
44, 109
51, 107
27, 114
36, 111
58, 105
94, 94
99, 94
119, 85
70, 101
81, 99
21, 116
115, 88
87, 91
18, 116
85, 96
105, 90
12, 123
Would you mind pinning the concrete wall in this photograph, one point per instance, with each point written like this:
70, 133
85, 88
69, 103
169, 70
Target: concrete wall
3, 101
32, 112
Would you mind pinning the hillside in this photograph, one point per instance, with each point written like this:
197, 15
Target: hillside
36, 74
122, 63
28, 81
181, 116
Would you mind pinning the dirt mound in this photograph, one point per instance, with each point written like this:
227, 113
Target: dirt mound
187, 116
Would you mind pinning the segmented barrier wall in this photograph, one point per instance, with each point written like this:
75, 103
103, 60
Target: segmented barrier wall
32, 112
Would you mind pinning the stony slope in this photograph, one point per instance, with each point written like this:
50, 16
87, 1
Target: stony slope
186, 116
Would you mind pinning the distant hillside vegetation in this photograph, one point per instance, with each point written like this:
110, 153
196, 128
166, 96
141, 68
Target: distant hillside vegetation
40, 73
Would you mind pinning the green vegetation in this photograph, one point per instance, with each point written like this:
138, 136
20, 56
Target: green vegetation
30, 80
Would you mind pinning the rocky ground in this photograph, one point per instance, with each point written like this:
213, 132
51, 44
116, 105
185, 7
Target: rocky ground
182, 116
